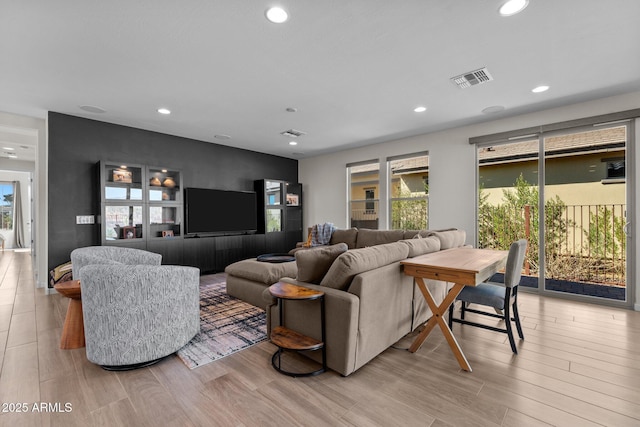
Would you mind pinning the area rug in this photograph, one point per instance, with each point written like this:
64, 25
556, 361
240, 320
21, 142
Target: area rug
227, 324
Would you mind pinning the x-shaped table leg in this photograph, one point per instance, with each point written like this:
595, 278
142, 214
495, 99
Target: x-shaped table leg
437, 318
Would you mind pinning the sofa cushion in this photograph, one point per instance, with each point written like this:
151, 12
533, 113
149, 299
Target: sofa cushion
368, 238
314, 263
451, 238
422, 246
410, 234
348, 236
356, 261
263, 272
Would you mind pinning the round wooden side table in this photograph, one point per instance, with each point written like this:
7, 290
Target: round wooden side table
73, 329
288, 339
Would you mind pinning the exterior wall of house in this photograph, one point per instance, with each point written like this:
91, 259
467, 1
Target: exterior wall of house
409, 184
576, 180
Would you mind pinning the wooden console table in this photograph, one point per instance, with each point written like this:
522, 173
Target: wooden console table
73, 329
462, 266
288, 339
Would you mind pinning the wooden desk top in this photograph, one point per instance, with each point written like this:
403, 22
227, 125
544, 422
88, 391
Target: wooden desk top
288, 291
466, 266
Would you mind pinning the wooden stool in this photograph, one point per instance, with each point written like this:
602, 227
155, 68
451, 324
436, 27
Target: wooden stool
73, 329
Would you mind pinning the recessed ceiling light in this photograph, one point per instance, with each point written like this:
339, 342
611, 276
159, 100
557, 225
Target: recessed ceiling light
293, 143
12, 156
420, 109
93, 109
493, 109
277, 15
164, 111
542, 88
222, 136
511, 7
291, 109
8, 148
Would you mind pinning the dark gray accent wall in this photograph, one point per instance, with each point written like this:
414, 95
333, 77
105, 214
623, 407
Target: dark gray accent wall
77, 144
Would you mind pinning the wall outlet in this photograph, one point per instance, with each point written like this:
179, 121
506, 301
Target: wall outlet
85, 219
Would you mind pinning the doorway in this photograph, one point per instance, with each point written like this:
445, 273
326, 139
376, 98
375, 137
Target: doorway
566, 192
16, 209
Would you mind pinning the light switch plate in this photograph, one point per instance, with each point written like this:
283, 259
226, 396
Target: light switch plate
85, 219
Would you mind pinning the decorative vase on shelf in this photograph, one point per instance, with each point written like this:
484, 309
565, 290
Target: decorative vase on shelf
169, 182
155, 182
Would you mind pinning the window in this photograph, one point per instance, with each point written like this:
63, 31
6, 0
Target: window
6, 205
370, 204
615, 169
409, 191
364, 182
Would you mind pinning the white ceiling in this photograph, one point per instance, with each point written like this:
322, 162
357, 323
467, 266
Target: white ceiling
354, 69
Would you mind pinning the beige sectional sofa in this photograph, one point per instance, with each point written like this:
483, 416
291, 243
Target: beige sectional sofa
370, 303
247, 279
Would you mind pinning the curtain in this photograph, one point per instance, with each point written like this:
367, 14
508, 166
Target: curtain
17, 215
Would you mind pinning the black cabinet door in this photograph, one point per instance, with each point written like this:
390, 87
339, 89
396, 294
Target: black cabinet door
172, 250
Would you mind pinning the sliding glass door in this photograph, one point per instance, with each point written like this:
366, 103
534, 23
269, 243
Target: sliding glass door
585, 193
508, 199
566, 193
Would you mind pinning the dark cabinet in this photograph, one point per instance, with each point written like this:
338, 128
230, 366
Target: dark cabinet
142, 207
279, 213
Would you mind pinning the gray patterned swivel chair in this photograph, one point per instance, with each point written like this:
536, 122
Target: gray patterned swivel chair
135, 310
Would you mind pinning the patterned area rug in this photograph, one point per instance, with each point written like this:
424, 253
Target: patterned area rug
227, 324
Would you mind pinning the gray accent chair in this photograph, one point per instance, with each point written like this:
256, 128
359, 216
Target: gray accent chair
503, 297
135, 310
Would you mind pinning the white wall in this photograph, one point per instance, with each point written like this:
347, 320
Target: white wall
452, 169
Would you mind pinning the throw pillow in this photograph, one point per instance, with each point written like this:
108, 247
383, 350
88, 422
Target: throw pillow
348, 236
421, 246
451, 239
314, 263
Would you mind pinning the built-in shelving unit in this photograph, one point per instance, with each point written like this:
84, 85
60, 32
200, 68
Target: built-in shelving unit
141, 207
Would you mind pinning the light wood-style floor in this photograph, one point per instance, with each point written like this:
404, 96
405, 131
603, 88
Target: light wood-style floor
579, 366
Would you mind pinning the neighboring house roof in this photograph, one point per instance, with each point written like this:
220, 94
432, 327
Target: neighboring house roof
593, 141
410, 165
398, 167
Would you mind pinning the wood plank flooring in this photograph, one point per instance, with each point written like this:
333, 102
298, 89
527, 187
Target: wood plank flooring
578, 366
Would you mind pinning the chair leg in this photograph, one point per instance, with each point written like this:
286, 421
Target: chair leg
451, 314
507, 322
516, 317
463, 309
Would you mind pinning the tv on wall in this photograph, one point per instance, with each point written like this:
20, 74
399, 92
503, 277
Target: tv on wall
219, 212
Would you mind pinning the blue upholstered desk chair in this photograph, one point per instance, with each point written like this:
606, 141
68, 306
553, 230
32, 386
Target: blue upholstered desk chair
503, 297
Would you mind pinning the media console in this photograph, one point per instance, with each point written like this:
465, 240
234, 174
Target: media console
144, 206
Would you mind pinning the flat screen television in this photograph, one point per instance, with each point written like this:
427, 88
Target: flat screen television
219, 212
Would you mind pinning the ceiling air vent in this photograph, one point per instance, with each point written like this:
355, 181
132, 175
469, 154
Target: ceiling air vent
472, 78
292, 133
